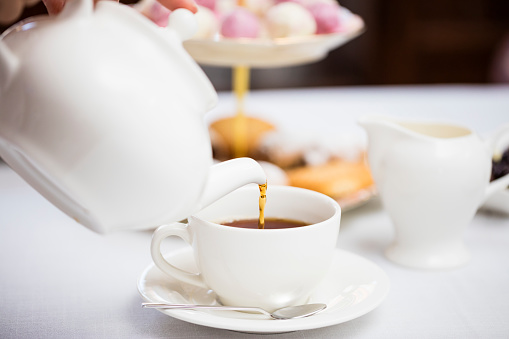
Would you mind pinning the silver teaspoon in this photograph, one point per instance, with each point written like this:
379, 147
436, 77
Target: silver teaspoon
290, 312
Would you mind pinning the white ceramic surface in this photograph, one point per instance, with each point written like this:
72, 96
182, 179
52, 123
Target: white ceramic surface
270, 268
264, 53
115, 142
432, 178
353, 287
498, 202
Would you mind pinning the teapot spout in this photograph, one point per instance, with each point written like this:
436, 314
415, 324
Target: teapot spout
227, 176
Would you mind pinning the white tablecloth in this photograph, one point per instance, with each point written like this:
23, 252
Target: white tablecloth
60, 280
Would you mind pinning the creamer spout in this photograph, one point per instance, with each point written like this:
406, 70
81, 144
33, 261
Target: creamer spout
383, 128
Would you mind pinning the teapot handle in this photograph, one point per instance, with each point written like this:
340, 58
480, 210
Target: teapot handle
497, 143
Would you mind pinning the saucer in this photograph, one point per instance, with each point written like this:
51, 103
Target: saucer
353, 287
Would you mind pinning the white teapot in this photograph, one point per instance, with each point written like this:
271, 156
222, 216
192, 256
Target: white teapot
101, 111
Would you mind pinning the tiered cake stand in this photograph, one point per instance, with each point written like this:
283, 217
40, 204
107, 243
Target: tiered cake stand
243, 54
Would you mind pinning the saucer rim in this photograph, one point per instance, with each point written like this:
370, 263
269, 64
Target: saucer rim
266, 326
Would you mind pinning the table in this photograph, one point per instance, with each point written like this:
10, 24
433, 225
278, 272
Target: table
61, 280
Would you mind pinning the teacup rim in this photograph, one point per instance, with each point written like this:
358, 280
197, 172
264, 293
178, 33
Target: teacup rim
330, 201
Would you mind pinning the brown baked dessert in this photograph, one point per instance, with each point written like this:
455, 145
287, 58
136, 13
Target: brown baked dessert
336, 178
222, 136
336, 169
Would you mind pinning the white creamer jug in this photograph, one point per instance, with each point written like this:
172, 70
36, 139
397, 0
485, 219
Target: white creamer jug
102, 111
432, 178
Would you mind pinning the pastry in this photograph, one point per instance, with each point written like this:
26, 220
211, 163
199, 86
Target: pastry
336, 178
207, 23
259, 7
326, 16
294, 149
261, 19
289, 19
222, 136
240, 23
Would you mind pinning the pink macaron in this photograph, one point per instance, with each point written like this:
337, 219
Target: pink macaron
240, 23
326, 16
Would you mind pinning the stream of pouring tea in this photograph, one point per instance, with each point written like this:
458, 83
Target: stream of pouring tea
262, 201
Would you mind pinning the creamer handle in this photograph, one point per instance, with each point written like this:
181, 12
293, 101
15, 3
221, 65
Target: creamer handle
497, 143
182, 231
227, 176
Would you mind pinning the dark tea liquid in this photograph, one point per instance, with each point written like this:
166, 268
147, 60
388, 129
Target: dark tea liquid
270, 223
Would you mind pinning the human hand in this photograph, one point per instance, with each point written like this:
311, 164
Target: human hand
55, 6
174, 4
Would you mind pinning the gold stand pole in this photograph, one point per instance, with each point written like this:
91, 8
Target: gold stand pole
240, 81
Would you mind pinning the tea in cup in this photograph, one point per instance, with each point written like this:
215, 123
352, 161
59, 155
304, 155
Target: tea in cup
270, 268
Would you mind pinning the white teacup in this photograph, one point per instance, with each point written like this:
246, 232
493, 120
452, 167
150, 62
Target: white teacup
270, 268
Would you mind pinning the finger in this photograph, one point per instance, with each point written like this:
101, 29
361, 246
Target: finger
54, 6
174, 4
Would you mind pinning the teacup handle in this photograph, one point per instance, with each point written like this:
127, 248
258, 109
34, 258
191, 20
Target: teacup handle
497, 143
177, 230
